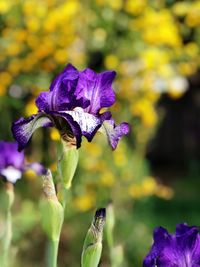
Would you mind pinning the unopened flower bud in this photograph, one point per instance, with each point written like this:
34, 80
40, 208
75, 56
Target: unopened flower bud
92, 247
67, 163
52, 213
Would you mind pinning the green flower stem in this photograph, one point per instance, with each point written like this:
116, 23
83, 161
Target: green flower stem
8, 229
109, 230
115, 252
52, 253
52, 209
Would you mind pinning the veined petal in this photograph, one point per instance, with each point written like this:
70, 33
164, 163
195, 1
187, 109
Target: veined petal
113, 132
61, 95
186, 236
97, 88
180, 249
70, 73
88, 123
23, 128
81, 123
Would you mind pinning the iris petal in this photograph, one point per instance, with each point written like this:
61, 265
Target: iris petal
9, 156
81, 123
24, 128
180, 249
113, 132
62, 89
97, 88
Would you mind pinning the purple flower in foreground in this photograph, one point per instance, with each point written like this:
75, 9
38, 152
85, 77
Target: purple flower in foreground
73, 106
12, 163
181, 249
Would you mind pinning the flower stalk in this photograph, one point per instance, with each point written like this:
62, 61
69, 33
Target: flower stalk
8, 227
52, 216
115, 252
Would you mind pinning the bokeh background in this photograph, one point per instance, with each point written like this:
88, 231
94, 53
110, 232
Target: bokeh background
153, 178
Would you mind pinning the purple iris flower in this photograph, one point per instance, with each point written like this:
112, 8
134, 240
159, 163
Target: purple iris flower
73, 105
12, 162
181, 249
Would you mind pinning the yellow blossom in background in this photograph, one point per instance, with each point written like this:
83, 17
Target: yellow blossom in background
144, 109
153, 58
181, 8
111, 62
84, 202
193, 15
93, 149
107, 179
161, 28
114, 4
135, 7
4, 6
31, 108
164, 192
149, 187
135, 191
2, 90
187, 69
5, 78
119, 156
30, 174
54, 134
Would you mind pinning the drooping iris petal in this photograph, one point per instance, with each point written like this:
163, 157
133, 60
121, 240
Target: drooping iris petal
97, 88
87, 122
181, 249
23, 128
81, 123
114, 133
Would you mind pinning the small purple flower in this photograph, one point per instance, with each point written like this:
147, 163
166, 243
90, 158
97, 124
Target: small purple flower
181, 249
12, 162
73, 106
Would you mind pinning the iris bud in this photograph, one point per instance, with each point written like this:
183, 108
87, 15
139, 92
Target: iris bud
52, 213
67, 162
92, 247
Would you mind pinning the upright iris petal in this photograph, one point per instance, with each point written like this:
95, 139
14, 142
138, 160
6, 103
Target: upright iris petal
97, 88
61, 95
181, 249
12, 162
73, 106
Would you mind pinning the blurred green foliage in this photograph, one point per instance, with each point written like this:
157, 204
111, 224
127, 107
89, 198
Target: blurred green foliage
154, 47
